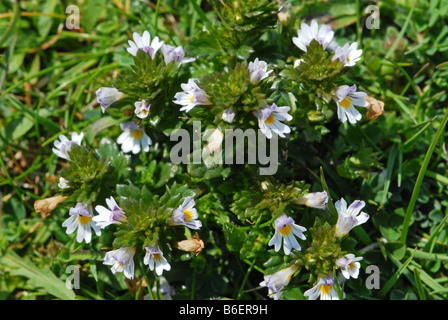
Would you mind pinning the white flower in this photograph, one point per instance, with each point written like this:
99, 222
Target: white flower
63, 145
349, 265
121, 260
142, 109
346, 99
307, 33
277, 282
154, 259
166, 291
144, 43
133, 138
191, 97
212, 153
258, 70
115, 215
81, 219
317, 200
186, 215
214, 140
63, 183
284, 16
177, 54
106, 96
349, 218
325, 289
286, 232
228, 115
348, 54
269, 119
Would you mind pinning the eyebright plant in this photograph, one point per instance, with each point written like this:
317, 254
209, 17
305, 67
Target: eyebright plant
127, 186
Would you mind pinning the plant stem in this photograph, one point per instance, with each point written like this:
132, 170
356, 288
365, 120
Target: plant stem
240, 292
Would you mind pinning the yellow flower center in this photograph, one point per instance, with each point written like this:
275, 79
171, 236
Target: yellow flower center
188, 215
285, 230
157, 256
325, 288
270, 119
137, 134
346, 102
351, 265
84, 220
192, 98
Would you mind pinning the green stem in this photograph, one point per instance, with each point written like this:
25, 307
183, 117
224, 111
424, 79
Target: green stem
240, 292
193, 286
156, 18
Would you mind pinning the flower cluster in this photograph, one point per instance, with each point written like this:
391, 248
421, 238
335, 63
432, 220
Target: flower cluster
145, 51
270, 117
122, 259
239, 96
345, 97
286, 231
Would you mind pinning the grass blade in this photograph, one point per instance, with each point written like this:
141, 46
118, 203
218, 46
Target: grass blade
400, 36
390, 283
40, 277
418, 183
418, 282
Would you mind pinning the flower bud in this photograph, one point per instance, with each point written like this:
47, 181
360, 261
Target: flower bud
49, 204
317, 200
194, 244
106, 96
228, 115
376, 108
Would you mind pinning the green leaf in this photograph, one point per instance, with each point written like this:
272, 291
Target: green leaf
244, 52
120, 161
41, 277
165, 171
235, 237
397, 249
16, 129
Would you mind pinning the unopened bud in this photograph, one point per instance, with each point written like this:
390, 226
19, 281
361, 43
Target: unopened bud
47, 205
194, 244
376, 108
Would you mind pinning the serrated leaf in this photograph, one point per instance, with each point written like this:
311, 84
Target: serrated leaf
235, 237
205, 44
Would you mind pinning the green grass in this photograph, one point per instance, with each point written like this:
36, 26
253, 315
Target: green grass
397, 163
